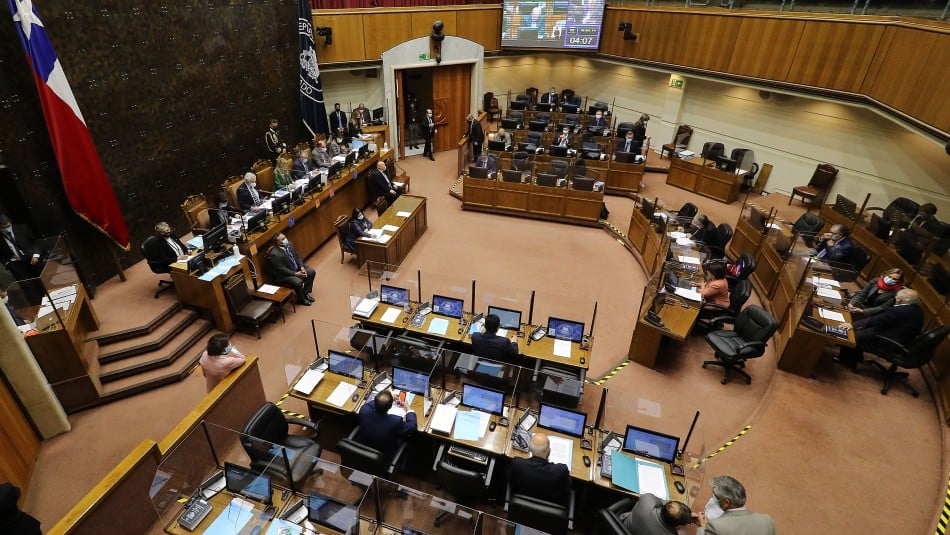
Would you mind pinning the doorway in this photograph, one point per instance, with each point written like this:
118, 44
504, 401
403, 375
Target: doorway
445, 89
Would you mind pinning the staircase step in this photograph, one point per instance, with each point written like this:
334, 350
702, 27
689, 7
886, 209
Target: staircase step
135, 332
165, 357
171, 328
143, 382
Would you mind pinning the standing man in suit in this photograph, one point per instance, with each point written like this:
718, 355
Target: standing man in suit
735, 519
289, 271
18, 250
901, 323
380, 184
275, 146
836, 245
538, 478
338, 121
653, 516
475, 135
163, 249
381, 430
248, 196
302, 166
428, 132
491, 346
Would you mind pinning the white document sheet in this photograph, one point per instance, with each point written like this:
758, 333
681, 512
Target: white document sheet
391, 315
438, 326
268, 289
403, 214
390, 228
483, 423
444, 418
820, 281
688, 259
830, 294
830, 314
652, 480
384, 238
562, 348
677, 235
692, 295
562, 450
308, 382
341, 394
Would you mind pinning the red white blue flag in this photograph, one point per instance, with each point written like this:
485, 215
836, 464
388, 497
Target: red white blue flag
84, 178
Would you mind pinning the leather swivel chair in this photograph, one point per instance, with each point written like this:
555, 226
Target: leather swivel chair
582, 183
712, 150
608, 519
747, 263
298, 457
531, 142
246, 309
899, 211
342, 226
520, 161
366, 459
549, 517
738, 295
915, 355
558, 167
623, 128
687, 211
157, 267
808, 225
748, 339
723, 235
466, 482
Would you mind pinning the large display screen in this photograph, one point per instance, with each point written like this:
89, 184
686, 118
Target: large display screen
570, 24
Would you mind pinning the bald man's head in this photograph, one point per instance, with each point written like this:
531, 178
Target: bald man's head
540, 446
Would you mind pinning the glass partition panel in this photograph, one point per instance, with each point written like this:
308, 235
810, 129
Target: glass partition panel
564, 315
509, 303
45, 302
405, 509
492, 525
463, 368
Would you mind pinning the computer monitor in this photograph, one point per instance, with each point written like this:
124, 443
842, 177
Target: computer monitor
356, 143
378, 114
350, 159
626, 157
410, 381
315, 183
331, 513
518, 105
543, 106
477, 172
494, 144
244, 482
447, 306
196, 262
510, 319
591, 155
406, 530
556, 150
547, 179
647, 209
257, 222
281, 204
393, 295
659, 446
510, 124
344, 364
335, 168
569, 108
363, 151
215, 238
537, 126
726, 164
562, 420
484, 399
565, 329
511, 175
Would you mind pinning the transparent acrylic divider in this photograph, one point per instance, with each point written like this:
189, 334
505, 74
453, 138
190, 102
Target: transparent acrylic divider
401, 507
465, 368
693, 460
190, 470
490, 293
492, 525
372, 275
45, 302
575, 307
447, 285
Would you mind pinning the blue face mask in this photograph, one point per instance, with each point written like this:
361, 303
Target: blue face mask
7, 230
228, 349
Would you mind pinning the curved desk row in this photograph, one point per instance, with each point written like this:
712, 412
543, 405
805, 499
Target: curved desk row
530, 200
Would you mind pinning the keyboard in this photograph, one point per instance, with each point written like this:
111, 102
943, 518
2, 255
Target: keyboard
606, 465
195, 513
470, 454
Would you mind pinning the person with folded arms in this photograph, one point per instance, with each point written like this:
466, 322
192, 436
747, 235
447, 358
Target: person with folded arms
219, 359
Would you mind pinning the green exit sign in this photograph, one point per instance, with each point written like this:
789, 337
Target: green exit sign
424, 57
678, 84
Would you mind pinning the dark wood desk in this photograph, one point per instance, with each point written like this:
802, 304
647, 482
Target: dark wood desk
578, 470
208, 295
646, 241
692, 175
317, 399
493, 443
543, 351
622, 178
645, 342
411, 228
564, 205
606, 482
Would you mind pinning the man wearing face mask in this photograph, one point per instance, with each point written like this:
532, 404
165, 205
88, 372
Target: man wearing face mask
320, 156
475, 135
338, 121
597, 122
337, 146
302, 166
275, 146
628, 144
428, 132
18, 250
222, 213
564, 139
248, 195
288, 270
163, 249
726, 513
380, 185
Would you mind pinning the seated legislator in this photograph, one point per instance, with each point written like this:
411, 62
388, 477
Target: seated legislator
358, 228
288, 270
338, 146
302, 166
926, 214
653, 516
550, 98
901, 323
538, 478
381, 430
163, 249
491, 346
282, 173
726, 514
221, 214
877, 295
564, 139
487, 161
836, 245
249, 197
598, 121
702, 229
219, 359
628, 144
320, 157
19, 252
381, 186
716, 289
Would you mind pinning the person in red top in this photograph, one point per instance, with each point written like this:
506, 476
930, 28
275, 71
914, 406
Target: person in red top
219, 360
716, 289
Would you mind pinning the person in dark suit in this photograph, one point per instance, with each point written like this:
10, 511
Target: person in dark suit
598, 121
653, 516
13, 521
302, 166
735, 519
19, 251
487, 161
358, 228
221, 214
550, 98
380, 184
878, 295
428, 133
836, 245
381, 430
475, 135
538, 478
338, 121
163, 249
491, 346
288, 270
702, 229
363, 111
565, 138
901, 323
321, 157
248, 195
628, 144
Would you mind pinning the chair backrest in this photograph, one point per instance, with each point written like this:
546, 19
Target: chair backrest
265, 174
623, 128
582, 183
520, 161
939, 278
900, 209
808, 223
713, 150
194, 205
725, 234
688, 210
381, 204
341, 225
539, 514
460, 482
921, 349
739, 294
544, 117
533, 138
155, 267
361, 457
754, 324
516, 116
230, 186
571, 118
268, 423
748, 266
859, 258
235, 290
683, 133
824, 176
558, 167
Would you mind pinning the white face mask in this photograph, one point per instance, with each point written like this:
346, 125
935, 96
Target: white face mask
228, 349
599, 116
283, 243
890, 281
360, 217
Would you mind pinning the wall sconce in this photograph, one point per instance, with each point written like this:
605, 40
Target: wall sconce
327, 33
437, 38
627, 30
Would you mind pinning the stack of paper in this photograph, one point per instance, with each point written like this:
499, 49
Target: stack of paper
562, 450
391, 315
444, 418
268, 289
366, 307
830, 314
341, 394
308, 382
692, 295
562, 348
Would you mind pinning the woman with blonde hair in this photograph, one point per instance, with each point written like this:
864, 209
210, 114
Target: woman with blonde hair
879, 294
282, 174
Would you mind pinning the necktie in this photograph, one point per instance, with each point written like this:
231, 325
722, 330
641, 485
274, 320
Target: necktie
174, 246
13, 245
254, 196
627, 147
290, 255
563, 141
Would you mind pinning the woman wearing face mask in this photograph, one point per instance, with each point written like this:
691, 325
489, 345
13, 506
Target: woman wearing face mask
219, 360
359, 228
878, 295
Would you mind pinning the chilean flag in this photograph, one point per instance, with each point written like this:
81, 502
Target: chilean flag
84, 179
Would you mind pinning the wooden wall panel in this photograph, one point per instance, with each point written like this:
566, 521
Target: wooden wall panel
835, 55
928, 98
383, 31
347, 38
611, 40
661, 36
481, 25
19, 444
422, 22
710, 42
765, 47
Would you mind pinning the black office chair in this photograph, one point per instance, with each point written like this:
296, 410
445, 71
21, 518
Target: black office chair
532, 142
880, 228
549, 517
688, 210
157, 267
623, 128
712, 150
608, 519
558, 167
582, 183
915, 355
366, 459
939, 278
520, 161
723, 235
247, 310
808, 225
738, 295
748, 339
370, 344
466, 481
543, 117
298, 458
899, 212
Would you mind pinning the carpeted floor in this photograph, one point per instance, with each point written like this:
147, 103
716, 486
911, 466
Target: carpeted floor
829, 455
